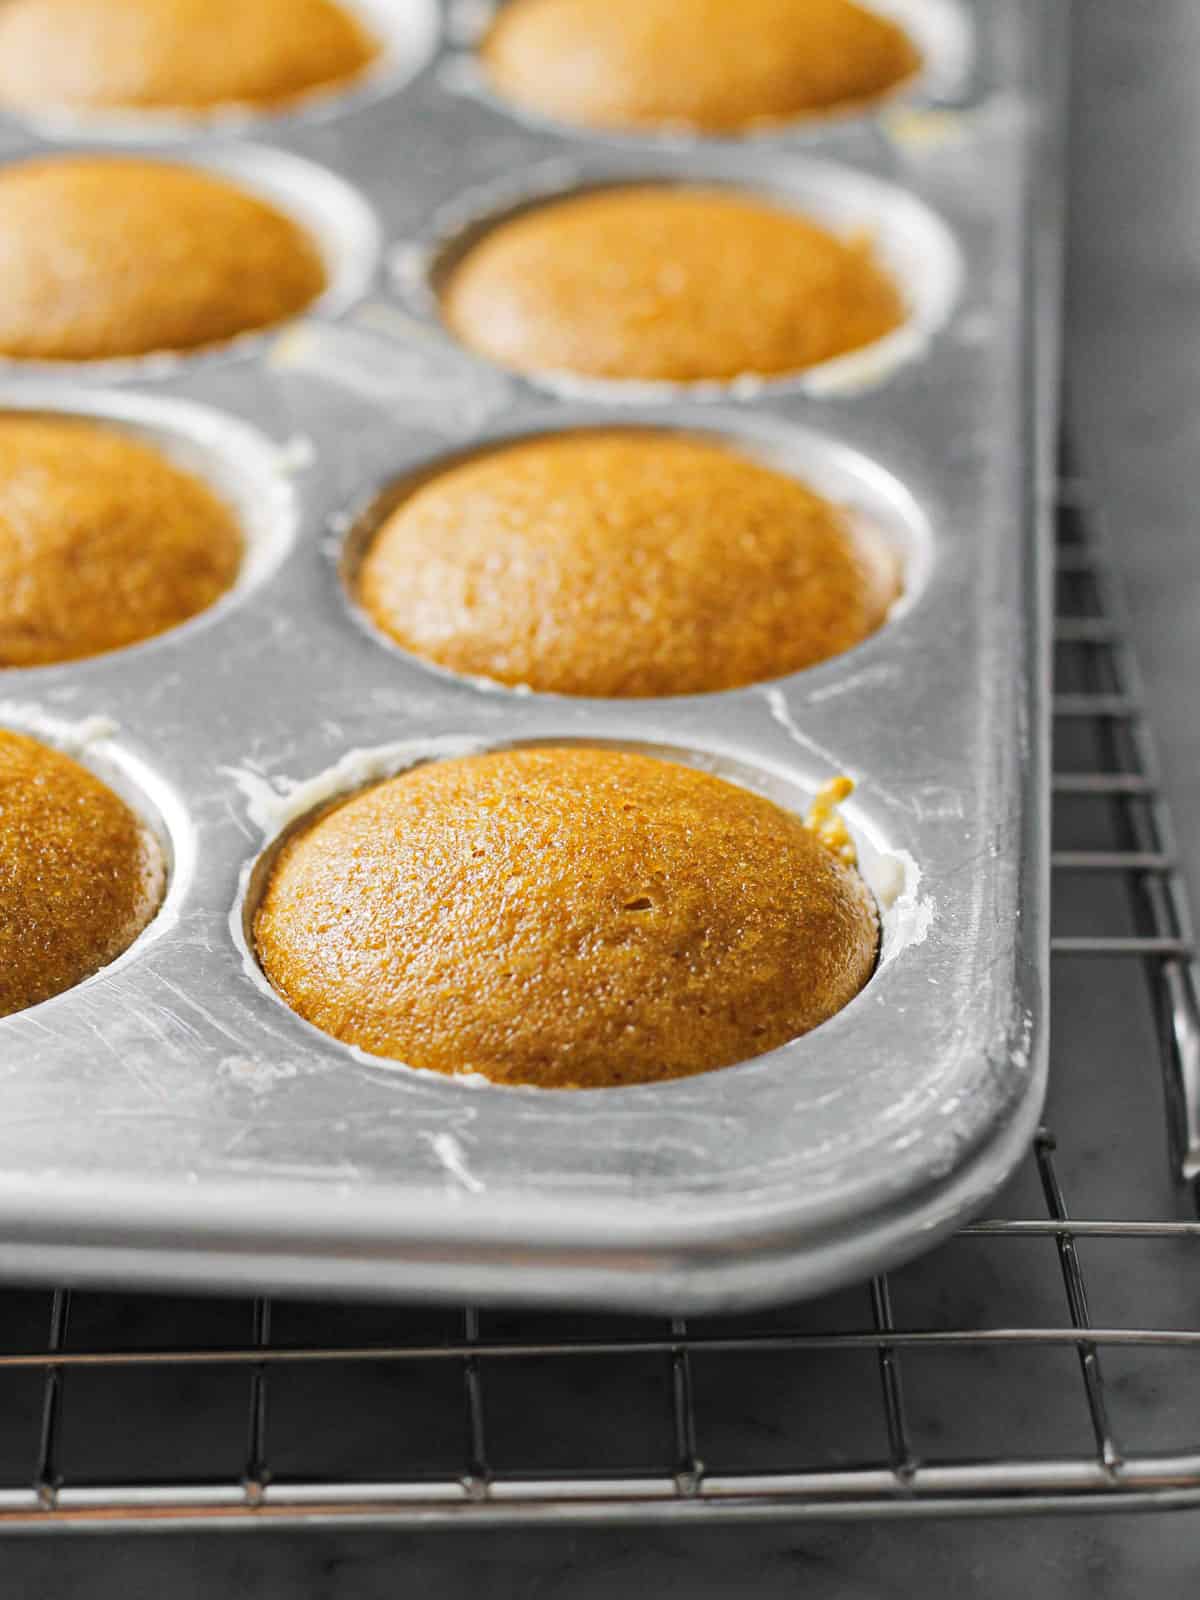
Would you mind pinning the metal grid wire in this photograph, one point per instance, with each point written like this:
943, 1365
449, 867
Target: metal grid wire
1037, 1361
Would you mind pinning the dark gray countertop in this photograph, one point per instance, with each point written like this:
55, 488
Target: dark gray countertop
1134, 368
1077, 1559
1133, 321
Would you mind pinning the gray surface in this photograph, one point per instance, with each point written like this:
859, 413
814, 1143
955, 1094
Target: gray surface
1136, 340
1076, 1559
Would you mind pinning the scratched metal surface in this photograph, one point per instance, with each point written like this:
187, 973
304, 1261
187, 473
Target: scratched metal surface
171, 1121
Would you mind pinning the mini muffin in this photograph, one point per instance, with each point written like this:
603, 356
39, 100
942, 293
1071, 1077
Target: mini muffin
564, 918
105, 256
103, 542
623, 562
717, 66
80, 875
676, 284
172, 55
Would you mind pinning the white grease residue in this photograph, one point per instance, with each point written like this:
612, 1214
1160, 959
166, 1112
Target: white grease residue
259, 1076
116, 369
781, 712
450, 1155
273, 804
846, 374
72, 738
922, 128
889, 882
1020, 1048
892, 875
91, 731
895, 881
296, 455
937, 803
381, 317
869, 678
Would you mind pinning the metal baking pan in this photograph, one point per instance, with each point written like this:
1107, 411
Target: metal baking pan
172, 1122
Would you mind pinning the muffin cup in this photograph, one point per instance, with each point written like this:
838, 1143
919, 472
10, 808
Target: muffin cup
340, 221
943, 31
891, 874
877, 506
409, 32
910, 241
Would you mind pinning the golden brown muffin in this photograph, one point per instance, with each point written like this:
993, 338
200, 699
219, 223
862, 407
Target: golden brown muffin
623, 562
80, 875
674, 284
103, 256
564, 918
161, 55
713, 65
102, 541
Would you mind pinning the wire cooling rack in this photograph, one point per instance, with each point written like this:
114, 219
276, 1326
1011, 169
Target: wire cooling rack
1047, 1359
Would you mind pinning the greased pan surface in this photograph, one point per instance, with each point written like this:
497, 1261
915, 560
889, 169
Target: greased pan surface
171, 1121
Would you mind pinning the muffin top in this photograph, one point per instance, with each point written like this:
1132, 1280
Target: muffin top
714, 65
103, 542
162, 55
619, 562
80, 875
564, 918
106, 256
667, 283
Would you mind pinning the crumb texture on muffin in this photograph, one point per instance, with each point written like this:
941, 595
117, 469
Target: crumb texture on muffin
104, 256
668, 284
623, 562
563, 918
103, 541
80, 874
183, 55
713, 65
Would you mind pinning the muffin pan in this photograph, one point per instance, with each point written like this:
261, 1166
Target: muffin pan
171, 1121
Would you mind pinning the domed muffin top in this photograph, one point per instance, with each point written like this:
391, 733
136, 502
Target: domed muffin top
564, 917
